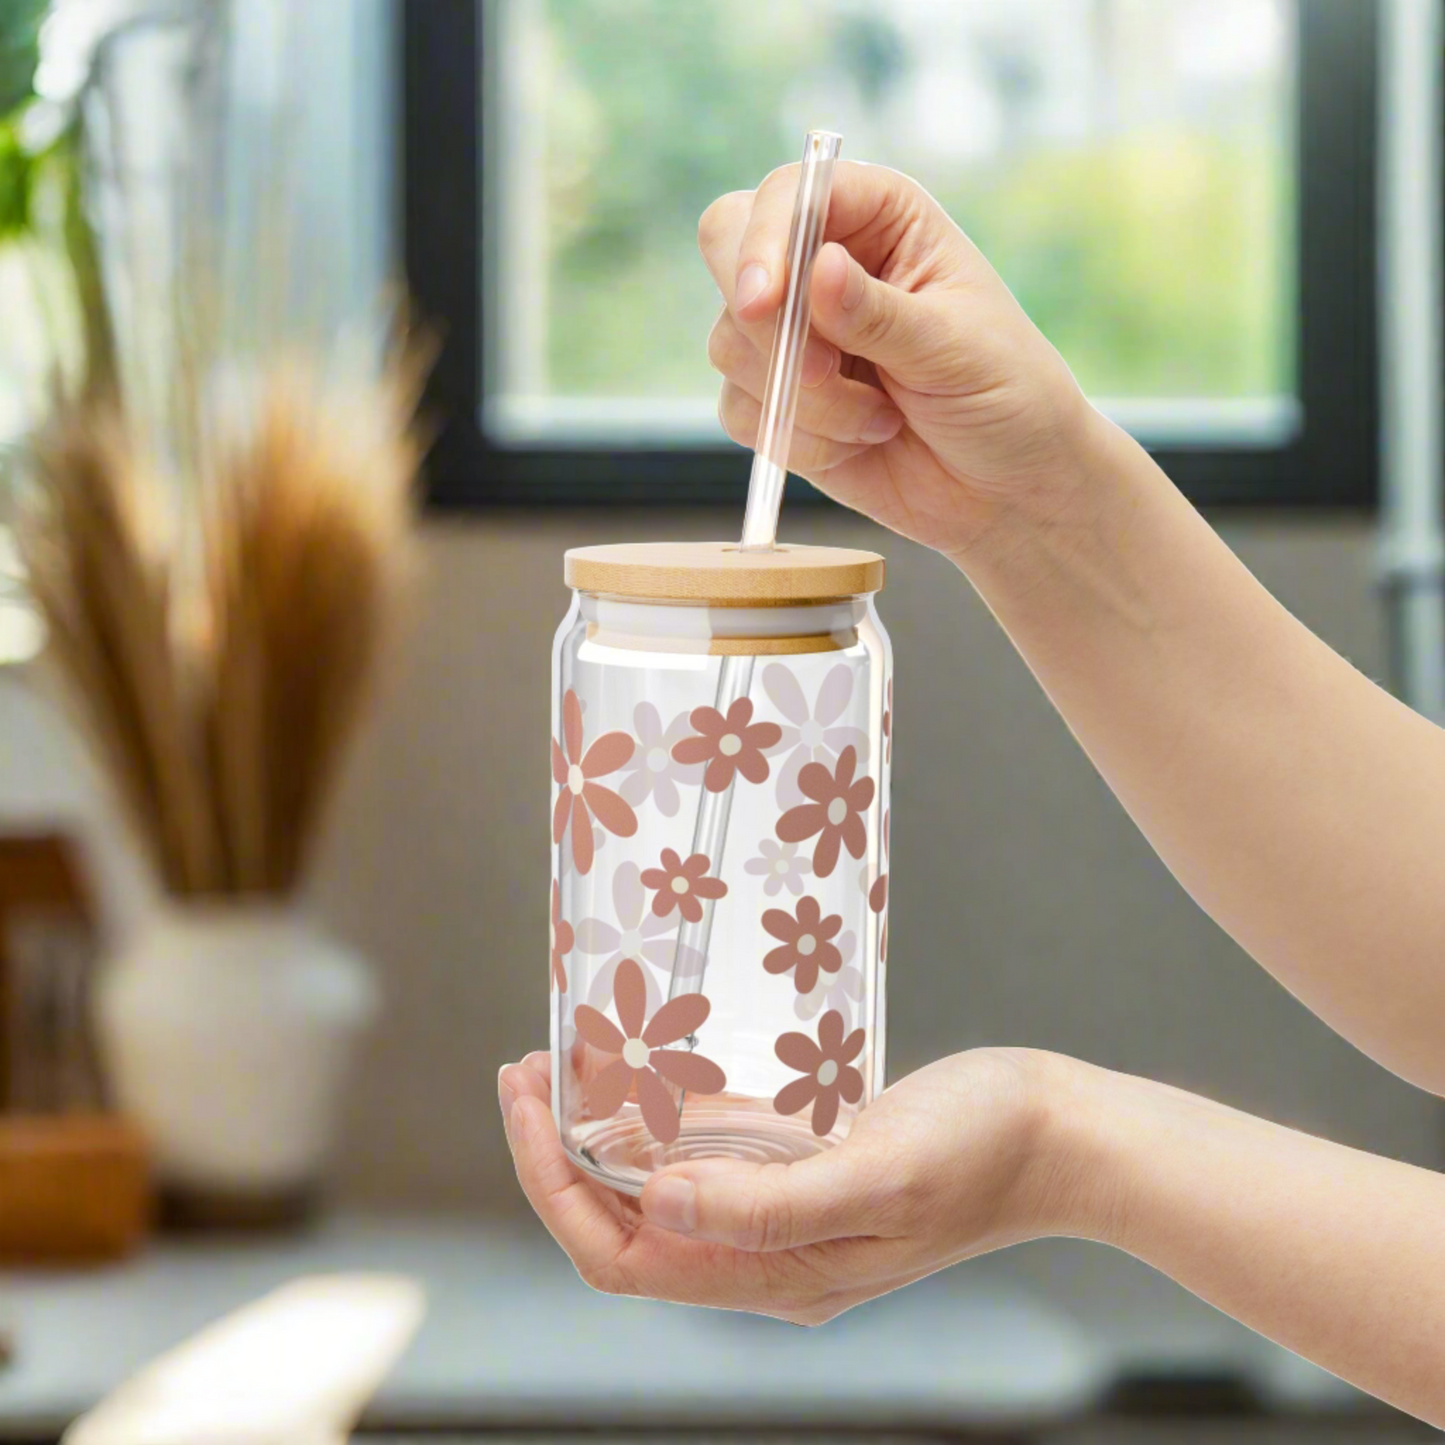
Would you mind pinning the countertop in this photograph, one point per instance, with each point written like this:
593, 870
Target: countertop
513, 1338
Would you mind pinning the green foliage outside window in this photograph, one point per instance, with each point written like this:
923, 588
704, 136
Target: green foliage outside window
1158, 261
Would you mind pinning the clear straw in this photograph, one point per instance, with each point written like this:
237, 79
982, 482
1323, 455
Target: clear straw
780, 393
765, 498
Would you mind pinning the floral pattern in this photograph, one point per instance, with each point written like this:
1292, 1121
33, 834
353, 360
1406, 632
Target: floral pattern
780, 864
827, 1070
643, 1060
728, 744
561, 938
888, 725
682, 886
580, 797
653, 772
825, 795
813, 734
639, 934
878, 893
568, 866
840, 991
806, 943
834, 815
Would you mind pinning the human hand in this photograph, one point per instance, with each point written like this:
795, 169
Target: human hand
957, 1159
929, 401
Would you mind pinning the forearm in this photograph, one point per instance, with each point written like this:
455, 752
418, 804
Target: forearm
1301, 805
1335, 1254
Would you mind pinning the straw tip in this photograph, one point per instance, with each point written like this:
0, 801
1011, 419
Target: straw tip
825, 140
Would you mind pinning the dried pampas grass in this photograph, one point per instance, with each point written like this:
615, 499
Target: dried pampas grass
219, 655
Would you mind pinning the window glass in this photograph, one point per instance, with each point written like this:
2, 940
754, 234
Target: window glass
1127, 165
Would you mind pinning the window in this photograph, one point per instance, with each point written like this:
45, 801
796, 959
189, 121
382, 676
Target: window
1180, 192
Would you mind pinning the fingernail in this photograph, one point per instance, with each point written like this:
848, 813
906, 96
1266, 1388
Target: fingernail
506, 1097
854, 286
751, 284
672, 1204
819, 358
886, 425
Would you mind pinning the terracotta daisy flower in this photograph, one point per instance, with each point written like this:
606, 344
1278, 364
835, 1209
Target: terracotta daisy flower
834, 813
806, 943
580, 797
878, 893
561, 937
643, 1059
728, 744
827, 1070
841, 990
682, 885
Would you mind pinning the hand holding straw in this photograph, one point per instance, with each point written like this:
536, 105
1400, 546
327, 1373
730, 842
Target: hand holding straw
765, 488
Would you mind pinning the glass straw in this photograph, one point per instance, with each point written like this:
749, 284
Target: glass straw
765, 497
790, 336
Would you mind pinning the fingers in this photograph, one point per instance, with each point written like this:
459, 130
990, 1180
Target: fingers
830, 406
531, 1078
618, 1255
732, 351
737, 1256
718, 234
809, 455
880, 214
763, 1208
892, 328
761, 270
574, 1215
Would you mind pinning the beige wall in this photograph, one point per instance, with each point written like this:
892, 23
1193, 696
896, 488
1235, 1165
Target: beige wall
1025, 907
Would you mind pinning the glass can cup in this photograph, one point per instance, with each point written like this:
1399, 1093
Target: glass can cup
721, 749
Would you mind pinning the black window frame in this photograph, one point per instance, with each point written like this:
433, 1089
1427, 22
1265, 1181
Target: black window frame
1331, 464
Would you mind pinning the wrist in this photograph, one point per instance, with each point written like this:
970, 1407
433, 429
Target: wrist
1065, 511
1091, 1128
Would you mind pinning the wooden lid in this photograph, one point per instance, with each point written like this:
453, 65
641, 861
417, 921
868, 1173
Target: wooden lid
721, 574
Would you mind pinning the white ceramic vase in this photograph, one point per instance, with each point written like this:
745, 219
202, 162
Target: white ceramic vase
228, 1031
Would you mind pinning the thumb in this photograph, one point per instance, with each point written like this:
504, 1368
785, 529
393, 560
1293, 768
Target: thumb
869, 318
763, 1207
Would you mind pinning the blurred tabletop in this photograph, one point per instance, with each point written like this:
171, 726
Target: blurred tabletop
513, 1338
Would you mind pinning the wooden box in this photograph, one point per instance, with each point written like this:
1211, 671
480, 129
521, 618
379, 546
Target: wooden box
74, 1189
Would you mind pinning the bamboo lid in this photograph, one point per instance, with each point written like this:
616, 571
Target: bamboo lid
721, 574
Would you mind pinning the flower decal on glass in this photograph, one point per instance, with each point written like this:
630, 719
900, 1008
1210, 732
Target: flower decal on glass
878, 893
682, 886
568, 864
636, 933
581, 797
643, 1058
728, 744
813, 734
888, 725
653, 772
561, 937
807, 947
834, 815
780, 865
840, 991
827, 1070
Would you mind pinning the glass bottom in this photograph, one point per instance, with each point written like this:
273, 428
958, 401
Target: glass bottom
620, 1153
